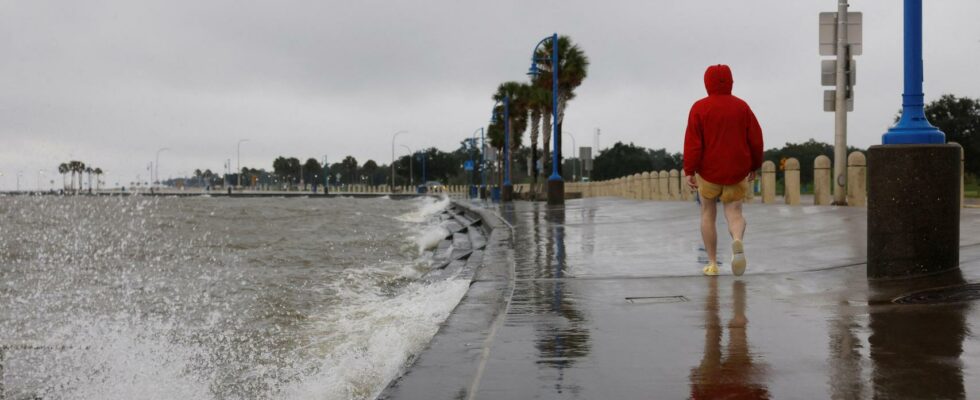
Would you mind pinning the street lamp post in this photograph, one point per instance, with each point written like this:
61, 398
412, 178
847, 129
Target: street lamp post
911, 234
19, 174
411, 173
238, 163
393, 156
507, 191
556, 187
39, 173
156, 166
579, 162
483, 167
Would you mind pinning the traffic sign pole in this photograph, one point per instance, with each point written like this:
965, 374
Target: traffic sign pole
840, 111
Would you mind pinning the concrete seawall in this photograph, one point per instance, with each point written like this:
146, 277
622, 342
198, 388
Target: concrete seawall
453, 362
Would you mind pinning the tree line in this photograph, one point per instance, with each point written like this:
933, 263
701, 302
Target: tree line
958, 117
79, 169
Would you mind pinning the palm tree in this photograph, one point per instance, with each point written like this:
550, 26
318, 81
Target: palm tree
98, 177
87, 170
538, 100
76, 167
573, 67
63, 170
517, 93
208, 178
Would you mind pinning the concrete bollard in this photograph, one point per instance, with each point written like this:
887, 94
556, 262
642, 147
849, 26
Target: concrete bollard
645, 186
654, 185
638, 186
821, 181
651, 185
792, 182
749, 191
857, 179
675, 184
664, 185
768, 182
634, 186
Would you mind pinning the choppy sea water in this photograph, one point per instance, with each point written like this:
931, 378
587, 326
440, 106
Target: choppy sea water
213, 298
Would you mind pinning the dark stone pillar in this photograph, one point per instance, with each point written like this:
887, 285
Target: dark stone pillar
556, 192
913, 210
507, 194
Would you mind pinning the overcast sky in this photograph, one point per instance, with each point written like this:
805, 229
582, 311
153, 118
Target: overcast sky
109, 82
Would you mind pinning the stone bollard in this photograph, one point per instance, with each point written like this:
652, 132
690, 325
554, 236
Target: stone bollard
645, 186
821, 181
792, 182
651, 185
664, 185
749, 190
654, 185
913, 210
675, 184
634, 185
768, 182
638, 186
857, 179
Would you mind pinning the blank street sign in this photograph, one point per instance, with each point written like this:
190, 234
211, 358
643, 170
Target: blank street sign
828, 33
828, 72
585, 154
830, 101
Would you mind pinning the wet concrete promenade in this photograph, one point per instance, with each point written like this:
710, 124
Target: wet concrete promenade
603, 299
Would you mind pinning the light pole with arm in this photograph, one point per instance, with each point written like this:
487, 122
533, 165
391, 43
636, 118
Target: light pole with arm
156, 166
483, 149
507, 191
393, 156
579, 163
238, 162
411, 173
556, 187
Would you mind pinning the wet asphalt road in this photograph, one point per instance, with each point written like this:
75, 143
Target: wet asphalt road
603, 299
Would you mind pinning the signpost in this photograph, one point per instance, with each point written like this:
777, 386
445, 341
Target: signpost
840, 36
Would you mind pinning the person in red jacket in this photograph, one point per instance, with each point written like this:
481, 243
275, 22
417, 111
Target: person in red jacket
722, 151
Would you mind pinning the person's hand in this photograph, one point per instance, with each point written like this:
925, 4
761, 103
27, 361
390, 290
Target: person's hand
692, 182
752, 176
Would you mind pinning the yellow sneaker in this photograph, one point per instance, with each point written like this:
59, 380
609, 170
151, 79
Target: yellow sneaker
710, 269
738, 258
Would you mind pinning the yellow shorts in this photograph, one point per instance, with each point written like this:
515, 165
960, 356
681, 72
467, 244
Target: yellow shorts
728, 193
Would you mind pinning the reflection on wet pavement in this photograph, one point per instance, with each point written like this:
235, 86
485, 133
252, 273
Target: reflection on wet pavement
803, 323
734, 374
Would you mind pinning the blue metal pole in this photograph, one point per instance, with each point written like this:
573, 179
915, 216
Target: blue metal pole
506, 140
555, 176
913, 127
483, 150
423, 169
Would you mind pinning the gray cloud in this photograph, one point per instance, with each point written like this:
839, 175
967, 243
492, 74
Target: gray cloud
109, 82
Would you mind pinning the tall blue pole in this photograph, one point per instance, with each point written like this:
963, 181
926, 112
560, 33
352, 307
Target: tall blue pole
913, 127
483, 149
506, 140
555, 176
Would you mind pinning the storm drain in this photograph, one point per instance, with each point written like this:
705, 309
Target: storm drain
951, 294
655, 299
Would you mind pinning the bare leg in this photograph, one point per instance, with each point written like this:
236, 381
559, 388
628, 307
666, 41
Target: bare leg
709, 212
736, 222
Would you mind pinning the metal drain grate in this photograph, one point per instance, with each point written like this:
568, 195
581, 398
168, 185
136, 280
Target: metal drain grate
656, 299
950, 294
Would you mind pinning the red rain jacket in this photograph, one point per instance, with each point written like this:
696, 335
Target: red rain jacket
723, 142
